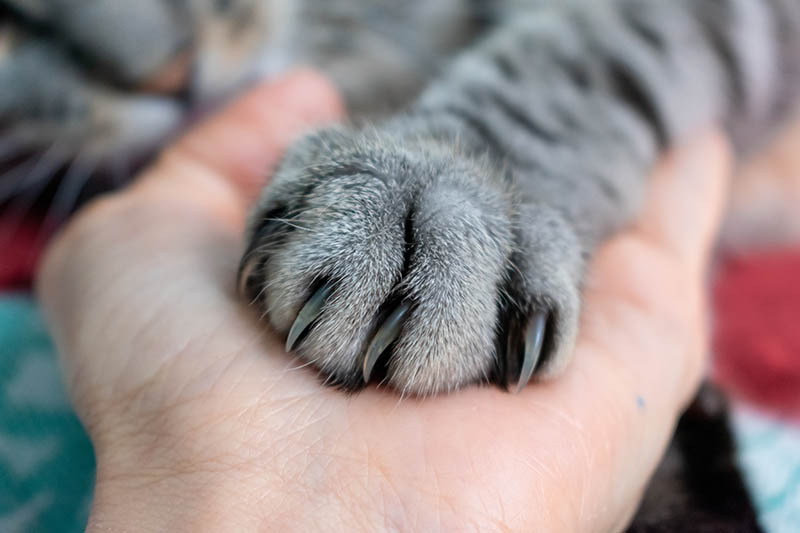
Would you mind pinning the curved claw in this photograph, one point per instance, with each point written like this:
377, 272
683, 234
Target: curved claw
245, 271
534, 340
386, 335
308, 314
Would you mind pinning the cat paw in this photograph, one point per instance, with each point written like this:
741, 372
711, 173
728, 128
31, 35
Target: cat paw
411, 265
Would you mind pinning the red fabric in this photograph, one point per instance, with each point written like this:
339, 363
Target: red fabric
757, 329
21, 243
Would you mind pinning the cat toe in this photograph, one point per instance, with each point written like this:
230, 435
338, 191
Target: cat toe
407, 269
521, 363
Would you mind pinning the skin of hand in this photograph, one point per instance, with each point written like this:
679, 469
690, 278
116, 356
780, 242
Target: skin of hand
201, 422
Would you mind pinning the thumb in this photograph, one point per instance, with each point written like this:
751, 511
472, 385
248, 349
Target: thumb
244, 141
683, 218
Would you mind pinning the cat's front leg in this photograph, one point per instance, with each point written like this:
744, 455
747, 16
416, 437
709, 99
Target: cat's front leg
448, 246
387, 255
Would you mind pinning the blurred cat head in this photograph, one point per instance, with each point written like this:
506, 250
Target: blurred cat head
90, 89
95, 79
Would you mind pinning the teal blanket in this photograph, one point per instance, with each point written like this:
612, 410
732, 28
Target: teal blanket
46, 459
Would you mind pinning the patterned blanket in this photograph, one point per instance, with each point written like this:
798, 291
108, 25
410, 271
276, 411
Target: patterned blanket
46, 459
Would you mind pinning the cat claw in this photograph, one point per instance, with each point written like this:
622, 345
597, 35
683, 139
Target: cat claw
386, 335
307, 315
392, 326
245, 272
251, 258
532, 351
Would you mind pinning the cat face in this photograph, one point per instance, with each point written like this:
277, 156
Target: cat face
107, 77
90, 89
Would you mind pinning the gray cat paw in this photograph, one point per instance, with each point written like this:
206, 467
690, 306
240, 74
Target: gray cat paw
411, 265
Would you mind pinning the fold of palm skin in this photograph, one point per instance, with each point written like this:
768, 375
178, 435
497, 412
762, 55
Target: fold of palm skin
192, 404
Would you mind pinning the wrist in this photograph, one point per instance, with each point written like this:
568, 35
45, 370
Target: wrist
169, 487
160, 477
166, 501
180, 487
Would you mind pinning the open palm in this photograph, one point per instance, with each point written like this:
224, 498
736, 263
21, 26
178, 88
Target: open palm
200, 421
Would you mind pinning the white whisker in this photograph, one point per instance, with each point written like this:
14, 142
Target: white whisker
23, 193
41, 167
70, 187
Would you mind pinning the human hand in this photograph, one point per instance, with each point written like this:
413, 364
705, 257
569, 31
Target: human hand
201, 422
